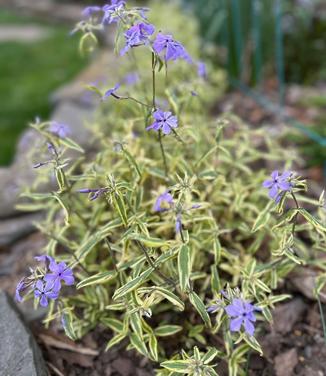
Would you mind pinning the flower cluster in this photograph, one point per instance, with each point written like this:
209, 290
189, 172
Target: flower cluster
278, 185
59, 129
240, 312
171, 49
164, 121
45, 282
165, 202
139, 32
137, 35
109, 12
94, 193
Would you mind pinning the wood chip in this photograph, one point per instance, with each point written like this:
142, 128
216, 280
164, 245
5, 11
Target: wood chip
52, 342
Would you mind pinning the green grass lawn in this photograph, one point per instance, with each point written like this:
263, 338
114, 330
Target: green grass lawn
29, 73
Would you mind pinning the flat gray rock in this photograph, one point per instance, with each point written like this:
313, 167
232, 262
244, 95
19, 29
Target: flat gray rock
15, 228
24, 34
20, 354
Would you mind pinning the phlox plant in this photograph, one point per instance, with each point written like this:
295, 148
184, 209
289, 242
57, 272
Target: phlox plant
171, 235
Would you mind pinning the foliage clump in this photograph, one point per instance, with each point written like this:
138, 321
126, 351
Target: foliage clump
170, 234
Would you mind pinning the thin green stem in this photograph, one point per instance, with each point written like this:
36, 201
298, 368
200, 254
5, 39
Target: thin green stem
113, 260
166, 73
152, 264
153, 80
177, 136
295, 200
163, 152
182, 237
247, 363
148, 258
132, 99
296, 215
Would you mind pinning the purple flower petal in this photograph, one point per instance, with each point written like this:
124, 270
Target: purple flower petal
137, 35
284, 185
111, 91
235, 324
173, 49
163, 202
267, 184
44, 301
59, 129
19, 288
273, 192
274, 175
249, 327
178, 224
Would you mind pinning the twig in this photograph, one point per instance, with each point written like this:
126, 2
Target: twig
51, 341
54, 369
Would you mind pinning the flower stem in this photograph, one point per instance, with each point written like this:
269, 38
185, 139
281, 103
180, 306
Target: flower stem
130, 98
182, 237
113, 260
163, 152
296, 215
153, 80
151, 263
154, 107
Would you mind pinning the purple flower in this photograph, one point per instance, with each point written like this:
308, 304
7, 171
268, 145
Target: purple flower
163, 120
131, 78
163, 202
40, 164
137, 35
111, 11
48, 260
59, 129
178, 223
278, 184
172, 49
214, 307
20, 287
60, 272
241, 313
95, 192
89, 11
45, 291
51, 148
142, 12
202, 69
111, 91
